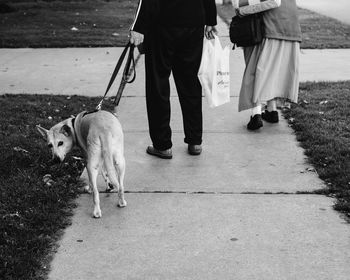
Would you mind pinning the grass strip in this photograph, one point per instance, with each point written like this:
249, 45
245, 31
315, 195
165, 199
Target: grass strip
33, 213
321, 123
91, 23
319, 32
105, 23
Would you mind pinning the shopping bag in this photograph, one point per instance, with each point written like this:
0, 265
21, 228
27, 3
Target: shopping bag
214, 72
248, 7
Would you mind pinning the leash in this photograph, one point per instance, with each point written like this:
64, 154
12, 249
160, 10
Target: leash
128, 70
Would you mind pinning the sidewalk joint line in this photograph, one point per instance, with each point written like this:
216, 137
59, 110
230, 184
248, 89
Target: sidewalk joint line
214, 193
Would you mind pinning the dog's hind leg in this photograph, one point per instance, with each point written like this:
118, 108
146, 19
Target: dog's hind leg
92, 169
115, 176
110, 187
120, 166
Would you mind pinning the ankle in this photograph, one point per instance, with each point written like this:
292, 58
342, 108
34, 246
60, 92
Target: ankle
256, 110
271, 105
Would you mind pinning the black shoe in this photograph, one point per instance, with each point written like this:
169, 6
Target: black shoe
271, 117
165, 154
255, 122
194, 150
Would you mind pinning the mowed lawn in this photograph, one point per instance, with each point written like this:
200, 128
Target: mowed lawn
90, 23
37, 197
321, 122
102, 23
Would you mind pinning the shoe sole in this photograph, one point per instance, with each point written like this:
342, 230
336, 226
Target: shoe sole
158, 154
269, 121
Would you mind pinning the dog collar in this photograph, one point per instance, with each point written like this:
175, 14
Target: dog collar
75, 134
76, 124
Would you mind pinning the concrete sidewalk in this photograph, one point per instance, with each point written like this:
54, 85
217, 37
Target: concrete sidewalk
87, 71
241, 210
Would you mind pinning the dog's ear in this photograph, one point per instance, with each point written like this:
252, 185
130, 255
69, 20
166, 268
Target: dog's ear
42, 131
66, 130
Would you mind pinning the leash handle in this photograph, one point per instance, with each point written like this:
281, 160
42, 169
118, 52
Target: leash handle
115, 72
128, 70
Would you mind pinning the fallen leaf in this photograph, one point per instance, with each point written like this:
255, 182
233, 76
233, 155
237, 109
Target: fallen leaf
77, 158
19, 149
47, 179
310, 169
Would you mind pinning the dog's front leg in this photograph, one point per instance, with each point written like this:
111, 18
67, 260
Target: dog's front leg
92, 170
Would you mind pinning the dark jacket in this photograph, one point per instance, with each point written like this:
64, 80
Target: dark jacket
174, 13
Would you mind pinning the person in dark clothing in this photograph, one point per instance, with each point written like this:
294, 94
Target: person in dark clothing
172, 33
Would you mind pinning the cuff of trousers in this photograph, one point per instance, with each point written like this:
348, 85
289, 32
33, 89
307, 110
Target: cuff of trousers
193, 142
163, 147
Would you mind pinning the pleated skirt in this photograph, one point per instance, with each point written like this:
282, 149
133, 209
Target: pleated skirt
272, 72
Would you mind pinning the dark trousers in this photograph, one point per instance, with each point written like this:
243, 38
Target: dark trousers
177, 50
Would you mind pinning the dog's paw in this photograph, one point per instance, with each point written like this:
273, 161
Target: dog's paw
97, 213
110, 188
86, 189
122, 204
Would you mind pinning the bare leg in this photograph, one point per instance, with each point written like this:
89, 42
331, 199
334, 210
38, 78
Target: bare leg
256, 110
271, 105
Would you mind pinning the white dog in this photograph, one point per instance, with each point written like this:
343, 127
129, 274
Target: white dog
99, 134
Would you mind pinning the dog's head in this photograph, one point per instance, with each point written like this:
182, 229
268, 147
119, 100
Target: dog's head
59, 138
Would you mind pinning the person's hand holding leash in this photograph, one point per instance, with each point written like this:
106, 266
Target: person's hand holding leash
210, 31
136, 38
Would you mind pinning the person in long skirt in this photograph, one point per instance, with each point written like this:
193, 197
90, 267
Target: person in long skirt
272, 67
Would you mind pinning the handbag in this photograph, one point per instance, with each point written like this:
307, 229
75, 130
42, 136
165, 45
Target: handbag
246, 31
214, 72
248, 7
